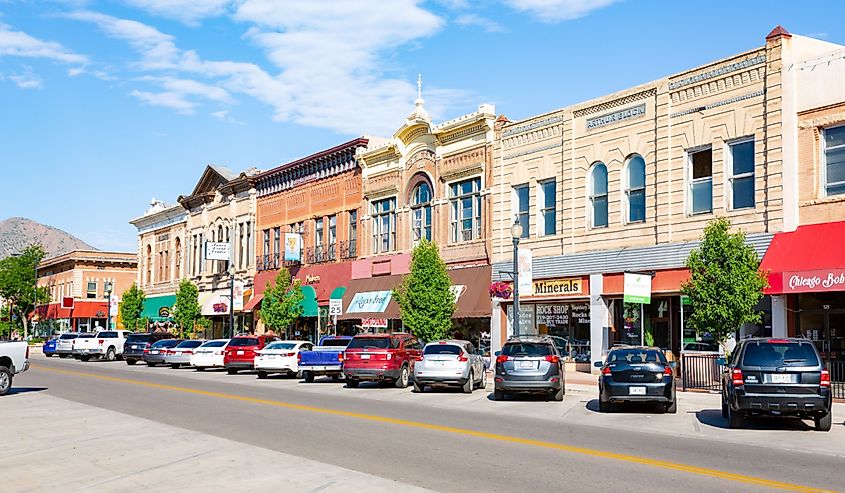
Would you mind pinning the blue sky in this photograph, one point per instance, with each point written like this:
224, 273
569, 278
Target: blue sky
107, 104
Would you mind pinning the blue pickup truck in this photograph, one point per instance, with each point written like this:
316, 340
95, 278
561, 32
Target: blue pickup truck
325, 359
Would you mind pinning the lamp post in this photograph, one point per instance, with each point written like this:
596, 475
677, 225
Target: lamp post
231, 299
516, 234
108, 306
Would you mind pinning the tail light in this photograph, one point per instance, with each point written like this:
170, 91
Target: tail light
146, 350
420, 358
100, 342
825, 380
461, 357
668, 372
502, 358
218, 353
340, 356
605, 371
286, 355
298, 357
27, 357
736, 377
778, 341
553, 358
189, 351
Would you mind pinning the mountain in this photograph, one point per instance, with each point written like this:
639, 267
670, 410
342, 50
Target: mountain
16, 233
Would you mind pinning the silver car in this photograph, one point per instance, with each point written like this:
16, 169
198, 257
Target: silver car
181, 354
450, 363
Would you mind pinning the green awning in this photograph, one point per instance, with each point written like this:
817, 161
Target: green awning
337, 293
309, 301
159, 308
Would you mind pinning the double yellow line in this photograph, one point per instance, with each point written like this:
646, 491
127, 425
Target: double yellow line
701, 471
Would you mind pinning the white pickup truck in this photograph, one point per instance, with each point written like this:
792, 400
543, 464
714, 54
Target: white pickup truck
14, 358
106, 344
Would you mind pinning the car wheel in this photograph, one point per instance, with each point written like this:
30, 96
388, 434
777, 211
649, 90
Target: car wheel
199, 368
402, 381
498, 395
150, 364
262, 375
822, 424
724, 406
469, 384
672, 407
84, 358
5, 380
483, 384
62, 356
558, 395
604, 406
352, 383
231, 371
131, 362
174, 365
49, 355
734, 418
418, 389
308, 376
335, 378
110, 354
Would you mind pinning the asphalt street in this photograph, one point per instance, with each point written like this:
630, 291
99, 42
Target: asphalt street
447, 441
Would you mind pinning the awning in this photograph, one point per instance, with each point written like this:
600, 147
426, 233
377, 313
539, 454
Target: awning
159, 308
309, 301
809, 259
371, 292
90, 309
471, 284
337, 293
51, 311
253, 302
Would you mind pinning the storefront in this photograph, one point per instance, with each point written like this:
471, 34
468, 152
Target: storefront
368, 306
216, 305
85, 316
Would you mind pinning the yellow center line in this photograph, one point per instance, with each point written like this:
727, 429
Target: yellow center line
633, 459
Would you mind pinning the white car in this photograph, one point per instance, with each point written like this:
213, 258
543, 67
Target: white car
209, 355
64, 344
14, 359
280, 357
107, 344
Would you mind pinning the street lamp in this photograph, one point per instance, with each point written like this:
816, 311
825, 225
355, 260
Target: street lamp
108, 292
231, 299
516, 234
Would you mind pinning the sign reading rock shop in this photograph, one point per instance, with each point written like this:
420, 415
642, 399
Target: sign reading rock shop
557, 287
814, 281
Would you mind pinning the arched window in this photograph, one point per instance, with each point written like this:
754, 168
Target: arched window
149, 264
421, 212
598, 195
635, 188
177, 246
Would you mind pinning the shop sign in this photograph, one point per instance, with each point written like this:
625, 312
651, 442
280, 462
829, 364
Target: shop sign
164, 312
581, 313
67, 302
557, 287
238, 294
370, 301
309, 279
373, 322
526, 270
335, 307
553, 315
220, 307
217, 251
293, 246
814, 281
114, 301
637, 288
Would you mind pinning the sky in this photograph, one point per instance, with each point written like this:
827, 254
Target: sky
105, 105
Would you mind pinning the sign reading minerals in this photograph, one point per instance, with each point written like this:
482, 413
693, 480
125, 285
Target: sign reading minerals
557, 287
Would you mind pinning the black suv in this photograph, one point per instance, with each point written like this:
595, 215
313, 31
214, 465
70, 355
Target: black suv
133, 348
529, 364
778, 377
637, 374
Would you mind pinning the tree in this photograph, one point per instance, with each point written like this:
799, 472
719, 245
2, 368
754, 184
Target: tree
187, 311
425, 297
17, 283
725, 282
131, 306
282, 302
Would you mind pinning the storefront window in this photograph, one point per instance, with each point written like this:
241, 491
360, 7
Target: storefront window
526, 319
627, 323
567, 321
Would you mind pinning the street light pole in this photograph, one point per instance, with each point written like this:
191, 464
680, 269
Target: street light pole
516, 234
108, 307
231, 299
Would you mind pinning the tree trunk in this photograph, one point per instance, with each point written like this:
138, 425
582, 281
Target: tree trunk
25, 326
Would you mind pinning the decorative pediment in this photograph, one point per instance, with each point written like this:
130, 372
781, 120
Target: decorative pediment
420, 160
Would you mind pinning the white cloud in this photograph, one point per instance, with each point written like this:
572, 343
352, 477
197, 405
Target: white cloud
27, 80
558, 10
223, 116
171, 100
187, 87
157, 49
18, 43
73, 72
488, 25
186, 11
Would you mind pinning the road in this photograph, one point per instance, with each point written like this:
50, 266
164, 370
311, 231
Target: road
447, 441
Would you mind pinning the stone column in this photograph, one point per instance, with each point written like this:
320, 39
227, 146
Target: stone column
779, 324
599, 320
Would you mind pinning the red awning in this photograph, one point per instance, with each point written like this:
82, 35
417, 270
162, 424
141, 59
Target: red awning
809, 259
90, 309
52, 311
253, 302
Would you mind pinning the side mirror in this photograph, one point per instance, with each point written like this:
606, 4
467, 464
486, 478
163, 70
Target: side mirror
497, 353
721, 361
598, 364
673, 364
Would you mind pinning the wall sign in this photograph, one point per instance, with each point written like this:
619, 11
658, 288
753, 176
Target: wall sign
309, 279
370, 301
557, 287
373, 322
217, 251
814, 281
637, 288
164, 312
616, 116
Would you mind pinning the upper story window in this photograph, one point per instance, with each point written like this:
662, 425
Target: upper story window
384, 225
741, 167
548, 213
421, 212
635, 188
598, 195
277, 240
332, 237
465, 197
834, 160
91, 292
521, 197
701, 181
266, 242
318, 232
108, 287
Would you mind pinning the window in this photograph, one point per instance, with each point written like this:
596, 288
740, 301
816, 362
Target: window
107, 287
521, 196
548, 214
384, 225
241, 246
421, 212
635, 189
701, 181
149, 264
277, 238
466, 210
598, 195
332, 237
92, 290
178, 248
741, 155
353, 233
266, 242
318, 228
834, 160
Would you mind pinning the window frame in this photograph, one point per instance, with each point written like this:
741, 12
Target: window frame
825, 185
542, 200
630, 190
456, 209
593, 196
378, 215
518, 213
694, 181
729, 171
425, 210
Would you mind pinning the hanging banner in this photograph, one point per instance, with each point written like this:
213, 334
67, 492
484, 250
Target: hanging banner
293, 247
525, 268
238, 294
217, 251
637, 288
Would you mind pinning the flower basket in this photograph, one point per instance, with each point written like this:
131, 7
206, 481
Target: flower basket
500, 290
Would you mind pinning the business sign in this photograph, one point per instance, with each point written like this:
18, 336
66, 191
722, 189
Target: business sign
67, 302
164, 312
616, 116
335, 307
217, 251
524, 265
812, 281
238, 295
457, 290
370, 301
293, 246
637, 288
114, 301
557, 287
373, 322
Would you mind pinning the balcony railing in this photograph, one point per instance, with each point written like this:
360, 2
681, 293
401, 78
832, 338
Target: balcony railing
273, 261
348, 249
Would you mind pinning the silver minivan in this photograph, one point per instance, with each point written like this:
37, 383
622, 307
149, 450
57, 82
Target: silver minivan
451, 362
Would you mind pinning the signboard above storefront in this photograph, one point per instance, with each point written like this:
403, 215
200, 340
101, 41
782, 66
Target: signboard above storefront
373, 322
814, 281
217, 251
371, 301
637, 288
558, 287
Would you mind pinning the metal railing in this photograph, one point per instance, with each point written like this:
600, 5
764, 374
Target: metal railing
348, 249
700, 372
837, 379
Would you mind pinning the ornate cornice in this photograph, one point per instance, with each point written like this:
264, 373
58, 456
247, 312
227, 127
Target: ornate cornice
472, 160
463, 133
615, 103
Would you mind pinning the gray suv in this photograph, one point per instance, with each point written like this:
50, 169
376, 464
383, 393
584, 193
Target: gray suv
529, 364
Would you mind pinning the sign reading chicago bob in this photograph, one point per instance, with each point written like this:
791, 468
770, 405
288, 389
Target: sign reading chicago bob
557, 287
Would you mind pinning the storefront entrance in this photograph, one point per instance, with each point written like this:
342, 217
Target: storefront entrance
821, 318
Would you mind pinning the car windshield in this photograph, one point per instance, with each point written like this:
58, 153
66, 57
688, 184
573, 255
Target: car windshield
215, 344
776, 354
281, 345
68, 336
138, 338
165, 343
636, 356
530, 349
243, 341
442, 349
369, 342
107, 335
335, 342
701, 346
85, 336
190, 344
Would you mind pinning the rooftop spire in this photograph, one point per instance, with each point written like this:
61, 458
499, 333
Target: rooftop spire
419, 112
419, 86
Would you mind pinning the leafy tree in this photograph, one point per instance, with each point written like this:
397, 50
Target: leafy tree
187, 311
131, 306
17, 283
425, 297
6, 325
282, 303
725, 282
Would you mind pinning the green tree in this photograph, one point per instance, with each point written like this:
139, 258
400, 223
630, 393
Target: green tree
282, 302
17, 283
187, 310
131, 306
425, 298
725, 282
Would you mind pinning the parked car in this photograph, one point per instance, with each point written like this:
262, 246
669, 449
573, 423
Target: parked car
133, 348
49, 347
106, 344
325, 359
181, 354
14, 359
239, 354
386, 358
280, 357
529, 364
701, 347
637, 374
64, 344
209, 355
780, 377
452, 362
79, 337
154, 355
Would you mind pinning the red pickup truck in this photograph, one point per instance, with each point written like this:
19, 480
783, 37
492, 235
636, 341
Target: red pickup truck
240, 352
382, 358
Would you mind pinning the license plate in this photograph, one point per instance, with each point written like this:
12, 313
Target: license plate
365, 356
636, 390
272, 356
153, 352
134, 347
525, 365
782, 378
240, 353
438, 363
